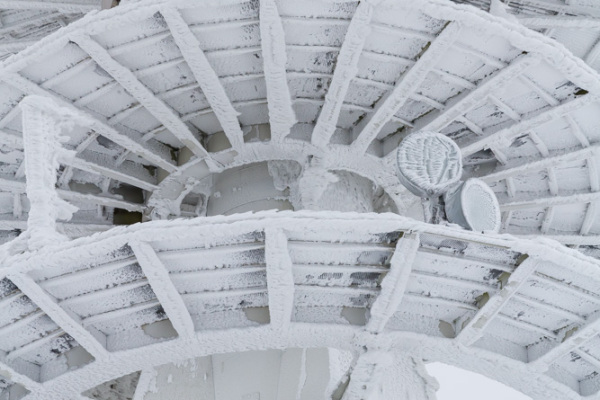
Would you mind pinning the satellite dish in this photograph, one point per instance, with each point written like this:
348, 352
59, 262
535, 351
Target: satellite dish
429, 163
473, 205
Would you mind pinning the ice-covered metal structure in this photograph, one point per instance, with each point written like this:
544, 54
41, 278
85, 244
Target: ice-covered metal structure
256, 143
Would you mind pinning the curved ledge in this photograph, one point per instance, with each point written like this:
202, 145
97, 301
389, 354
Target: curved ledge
306, 271
361, 145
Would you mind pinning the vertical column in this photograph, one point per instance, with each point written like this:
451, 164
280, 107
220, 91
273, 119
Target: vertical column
41, 140
367, 376
407, 379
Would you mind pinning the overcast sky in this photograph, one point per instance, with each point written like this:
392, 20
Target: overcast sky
458, 384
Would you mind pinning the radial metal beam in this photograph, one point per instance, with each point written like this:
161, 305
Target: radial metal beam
100, 200
505, 108
205, 75
540, 91
503, 137
63, 6
548, 219
280, 279
67, 173
591, 213
17, 205
93, 343
539, 143
569, 240
127, 79
590, 218
274, 52
394, 284
164, 289
552, 181
559, 21
11, 140
145, 383
577, 132
454, 79
370, 126
593, 54
560, 7
112, 172
542, 202
544, 163
467, 100
476, 326
21, 323
549, 308
14, 186
91, 121
37, 20
69, 229
579, 337
120, 312
105, 266
345, 70
102, 295
35, 344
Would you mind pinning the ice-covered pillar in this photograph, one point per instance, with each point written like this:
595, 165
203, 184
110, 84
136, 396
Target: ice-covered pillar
41, 139
407, 379
386, 375
366, 378
321, 189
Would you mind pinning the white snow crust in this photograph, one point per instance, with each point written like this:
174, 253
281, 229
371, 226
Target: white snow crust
168, 100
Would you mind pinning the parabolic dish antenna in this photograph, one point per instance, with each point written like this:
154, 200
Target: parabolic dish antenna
429, 163
473, 205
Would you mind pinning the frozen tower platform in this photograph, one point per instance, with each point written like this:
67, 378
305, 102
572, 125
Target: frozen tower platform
282, 199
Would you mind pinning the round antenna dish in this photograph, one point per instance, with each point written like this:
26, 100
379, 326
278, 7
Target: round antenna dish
473, 205
429, 163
